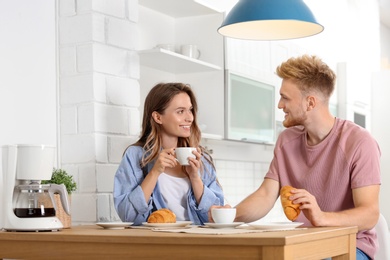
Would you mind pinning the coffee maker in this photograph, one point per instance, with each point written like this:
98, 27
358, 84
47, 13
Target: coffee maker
28, 205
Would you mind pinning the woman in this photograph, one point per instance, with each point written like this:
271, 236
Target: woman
150, 178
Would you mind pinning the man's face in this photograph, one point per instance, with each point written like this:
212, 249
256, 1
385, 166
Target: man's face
293, 104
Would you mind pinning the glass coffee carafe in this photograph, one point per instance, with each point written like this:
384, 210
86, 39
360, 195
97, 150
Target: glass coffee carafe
36, 200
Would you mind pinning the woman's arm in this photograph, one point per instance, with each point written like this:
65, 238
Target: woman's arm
212, 193
129, 199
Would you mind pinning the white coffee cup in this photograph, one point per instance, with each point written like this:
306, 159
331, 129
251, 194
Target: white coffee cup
190, 50
182, 154
223, 215
168, 47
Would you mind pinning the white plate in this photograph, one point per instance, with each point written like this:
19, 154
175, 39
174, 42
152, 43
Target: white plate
177, 224
114, 225
276, 225
228, 225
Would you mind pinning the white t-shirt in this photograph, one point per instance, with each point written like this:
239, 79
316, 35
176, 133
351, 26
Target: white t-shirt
174, 191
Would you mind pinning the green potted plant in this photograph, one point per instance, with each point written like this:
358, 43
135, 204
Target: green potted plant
60, 176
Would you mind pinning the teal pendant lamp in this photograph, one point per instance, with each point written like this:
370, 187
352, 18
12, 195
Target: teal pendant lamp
270, 20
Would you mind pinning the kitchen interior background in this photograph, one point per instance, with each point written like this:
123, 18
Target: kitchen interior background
72, 77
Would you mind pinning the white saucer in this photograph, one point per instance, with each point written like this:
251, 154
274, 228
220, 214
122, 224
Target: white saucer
176, 224
276, 225
114, 225
227, 225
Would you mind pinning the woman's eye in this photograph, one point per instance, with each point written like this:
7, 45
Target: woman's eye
182, 111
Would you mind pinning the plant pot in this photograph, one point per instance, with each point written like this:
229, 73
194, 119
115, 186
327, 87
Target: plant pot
65, 219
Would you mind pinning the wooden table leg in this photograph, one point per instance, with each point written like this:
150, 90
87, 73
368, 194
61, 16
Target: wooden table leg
352, 250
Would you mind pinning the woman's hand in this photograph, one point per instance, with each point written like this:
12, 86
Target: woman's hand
192, 173
165, 159
193, 169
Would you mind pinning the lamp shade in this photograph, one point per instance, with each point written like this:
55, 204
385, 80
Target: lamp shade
270, 20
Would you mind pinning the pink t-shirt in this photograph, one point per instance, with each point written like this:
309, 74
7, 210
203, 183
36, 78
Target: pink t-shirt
346, 159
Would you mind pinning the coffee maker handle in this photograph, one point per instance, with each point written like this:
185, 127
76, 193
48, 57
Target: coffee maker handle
61, 189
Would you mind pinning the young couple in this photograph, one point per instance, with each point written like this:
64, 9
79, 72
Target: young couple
333, 163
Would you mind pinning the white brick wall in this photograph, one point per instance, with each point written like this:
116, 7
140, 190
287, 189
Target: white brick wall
103, 118
134, 121
132, 11
101, 148
68, 119
100, 107
83, 88
99, 98
121, 33
86, 25
87, 178
117, 145
123, 91
105, 177
84, 208
67, 7
77, 148
107, 59
109, 7
67, 60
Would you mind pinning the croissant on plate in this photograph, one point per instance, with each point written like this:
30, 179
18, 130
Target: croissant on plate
162, 216
291, 210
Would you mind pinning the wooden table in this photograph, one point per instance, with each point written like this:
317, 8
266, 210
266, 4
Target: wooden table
93, 242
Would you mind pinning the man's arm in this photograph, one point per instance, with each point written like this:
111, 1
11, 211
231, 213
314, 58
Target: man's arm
259, 203
365, 214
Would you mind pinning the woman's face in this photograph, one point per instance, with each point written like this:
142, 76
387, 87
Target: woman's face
177, 118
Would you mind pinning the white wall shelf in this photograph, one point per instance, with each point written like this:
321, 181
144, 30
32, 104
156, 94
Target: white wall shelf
181, 22
211, 136
173, 62
176, 9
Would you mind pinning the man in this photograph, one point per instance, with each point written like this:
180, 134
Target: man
334, 164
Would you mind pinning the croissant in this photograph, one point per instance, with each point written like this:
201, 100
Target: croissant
162, 216
291, 210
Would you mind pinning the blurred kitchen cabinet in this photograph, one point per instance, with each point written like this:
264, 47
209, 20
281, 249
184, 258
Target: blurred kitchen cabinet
177, 23
380, 131
250, 109
253, 89
353, 95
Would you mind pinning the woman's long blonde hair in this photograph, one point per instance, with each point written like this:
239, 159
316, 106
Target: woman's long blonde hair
158, 100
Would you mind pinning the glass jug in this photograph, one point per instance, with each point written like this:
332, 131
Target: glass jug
37, 200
